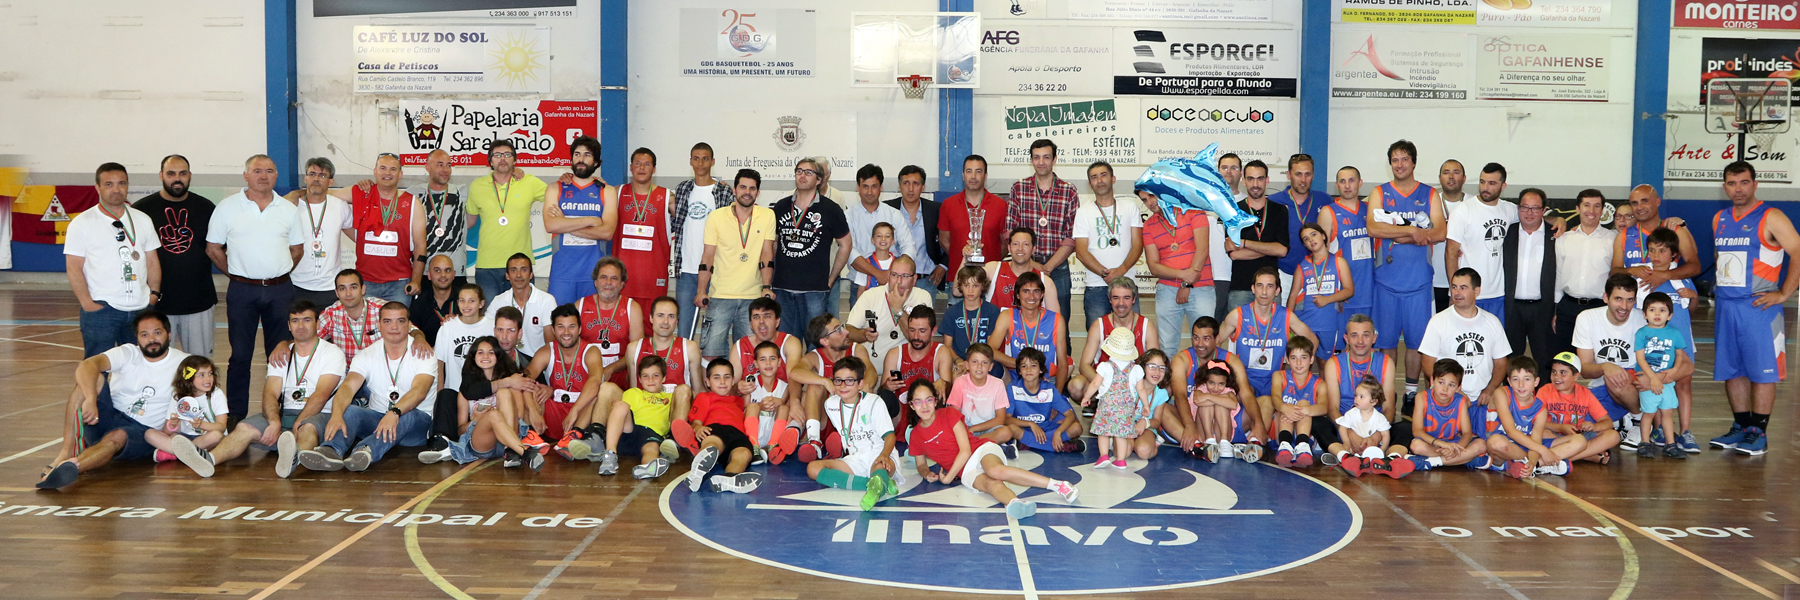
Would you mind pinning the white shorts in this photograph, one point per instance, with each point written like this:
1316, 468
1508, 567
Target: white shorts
863, 464
973, 467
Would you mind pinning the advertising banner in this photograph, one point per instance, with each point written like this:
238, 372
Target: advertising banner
1206, 62
771, 142
449, 59
1407, 12
1545, 13
1533, 67
1400, 65
1194, 10
1181, 127
1025, 58
539, 130
748, 42
1736, 14
1694, 154
1085, 130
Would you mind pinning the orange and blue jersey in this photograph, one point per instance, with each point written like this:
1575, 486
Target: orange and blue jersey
1746, 265
1197, 367
1261, 345
1348, 229
1351, 373
1041, 335
1293, 392
1405, 267
1523, 416
1443, 421
1312, 280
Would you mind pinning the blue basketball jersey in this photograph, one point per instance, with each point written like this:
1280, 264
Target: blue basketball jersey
575, 255
1405, 267
1352, 243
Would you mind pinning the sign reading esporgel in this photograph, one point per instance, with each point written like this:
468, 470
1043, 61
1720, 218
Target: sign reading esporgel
539, 130
411, 59
1206, 62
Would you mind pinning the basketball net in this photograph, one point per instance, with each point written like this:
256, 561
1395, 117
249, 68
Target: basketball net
914, 85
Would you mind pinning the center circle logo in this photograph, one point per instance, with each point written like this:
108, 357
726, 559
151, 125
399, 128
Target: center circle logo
1163, 524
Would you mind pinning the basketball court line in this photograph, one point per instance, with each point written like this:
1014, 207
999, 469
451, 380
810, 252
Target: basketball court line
1592, 508
992, 510
412, 540
1026, 583
1629, 578
544, 584
1778, 570
365, 531
35, 449
1468, 560
18, 412
26, 341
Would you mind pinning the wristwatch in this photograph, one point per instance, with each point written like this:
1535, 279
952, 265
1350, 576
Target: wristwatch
396, 411
1186, 285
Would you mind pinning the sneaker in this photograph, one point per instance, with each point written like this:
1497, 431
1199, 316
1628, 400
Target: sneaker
784, 445
877, 487
285, 452
595, 437
1211, 453
1632, 434
1073, 446
758, 456
1353, 465
535, 460
834, 445
193, 456
1251, 453
1731, 439
1226, 450
322, 458
512, 459
811, 451
438, 451
741, 483
1284, 456
573, 447
1119, 463
682, 434
1377, 466
1656, 437
669, 450
60, 477
703, 462
1065, 489
1646, 451
609, 463
163, 456
1673, 451
532, 440
1104, 462
360, 459
1516, 469
1020, 508
1303, 454
1419, 463
652, 469
1480, 462
1011, 450
1755, 443
1687, 443
1329, 459
1398, 468
1560, 468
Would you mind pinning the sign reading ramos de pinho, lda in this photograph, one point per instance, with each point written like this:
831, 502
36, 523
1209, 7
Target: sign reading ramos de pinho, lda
430, 59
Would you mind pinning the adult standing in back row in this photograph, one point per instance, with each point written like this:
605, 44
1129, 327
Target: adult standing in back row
111, 265
1108, 240
181, 217
693, 202
1046, 204
805, 267
247, 239
972, 224
502, 200
1264, 244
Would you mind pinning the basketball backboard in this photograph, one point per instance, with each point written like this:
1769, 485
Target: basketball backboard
944, 46
1745, 105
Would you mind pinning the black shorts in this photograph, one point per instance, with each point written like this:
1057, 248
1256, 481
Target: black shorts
1325, 431
631, 443
734, 438
135, 448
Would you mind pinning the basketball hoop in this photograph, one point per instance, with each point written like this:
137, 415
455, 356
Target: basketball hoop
1755, 111
914, 85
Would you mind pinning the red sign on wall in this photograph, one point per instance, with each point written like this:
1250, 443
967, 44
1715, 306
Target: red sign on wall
539, 130
1738, 14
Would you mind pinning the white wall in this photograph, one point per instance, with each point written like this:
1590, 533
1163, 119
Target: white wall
131, 82
1562, 147
351, 128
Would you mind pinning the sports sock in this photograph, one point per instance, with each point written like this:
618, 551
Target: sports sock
1302, 439
1760, 421
1436, 461
812, 429
1412, 386
1285, 437
835, 478
1342, 453
1742, 419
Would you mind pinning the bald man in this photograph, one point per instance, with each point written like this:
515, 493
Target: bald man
446, 224
1631, 256
240, 243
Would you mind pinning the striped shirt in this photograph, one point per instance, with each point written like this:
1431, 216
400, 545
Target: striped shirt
443, 213
1049, 213
678, 218
1175, 243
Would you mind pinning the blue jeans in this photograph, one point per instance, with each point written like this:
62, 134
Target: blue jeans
492, 281
725, 322
839, 290
1094, 303
392, 291
246, 307
360, 424
1060, 276
1237, 298
105, 328
799, 308
1173, 319
687, 285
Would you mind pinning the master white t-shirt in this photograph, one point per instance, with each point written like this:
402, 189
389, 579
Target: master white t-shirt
693, 237
1610, 343
452, 346
1481, 230
1473, 342
319, 252
113, 274
1098, 226
302, 374
140, 388
385, 376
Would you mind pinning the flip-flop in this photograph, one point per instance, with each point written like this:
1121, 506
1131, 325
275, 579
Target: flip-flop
60, 477
1605, 457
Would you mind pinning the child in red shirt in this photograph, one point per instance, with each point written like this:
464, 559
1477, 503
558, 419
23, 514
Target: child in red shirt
940, 436
716, 418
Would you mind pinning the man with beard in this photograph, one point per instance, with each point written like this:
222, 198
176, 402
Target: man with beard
1476, 236
1751, 349
1193, 363
694, 200
141, 377
1631, 256
502, 201
882, 310
314, 239
398, 411
921, 358
737, 255
610, 320
296, 399
831, 343
1122, 298
446, 223
244, 240
1604, 337
1265, 243
181, 218
533, 303
804, 263
581, 212
432, 307
111, 266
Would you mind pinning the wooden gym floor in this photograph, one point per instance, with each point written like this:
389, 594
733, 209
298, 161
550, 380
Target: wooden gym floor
1715, 526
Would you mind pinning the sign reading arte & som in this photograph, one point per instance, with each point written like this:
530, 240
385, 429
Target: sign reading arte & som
418, 59
540, 130
755, 42
1409, 66
1561, 67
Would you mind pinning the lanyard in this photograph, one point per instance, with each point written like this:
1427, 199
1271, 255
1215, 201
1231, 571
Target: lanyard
1031, 331
559, 372
390, 211
1264, 329
850, 421
300, 378
1111, 226
130, 228
500, 197
971, 323
744, 231
394, 371
315, 223
639, 206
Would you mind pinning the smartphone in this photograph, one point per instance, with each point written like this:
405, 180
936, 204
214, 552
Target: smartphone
894, 374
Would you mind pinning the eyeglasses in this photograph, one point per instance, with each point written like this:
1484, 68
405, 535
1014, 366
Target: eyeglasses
834, 331
903, 275
1523, 208
798, 172
846, 381
501, 155
1156, 367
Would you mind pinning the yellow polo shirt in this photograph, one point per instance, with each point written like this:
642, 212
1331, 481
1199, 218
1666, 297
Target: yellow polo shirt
498, 242
735, 275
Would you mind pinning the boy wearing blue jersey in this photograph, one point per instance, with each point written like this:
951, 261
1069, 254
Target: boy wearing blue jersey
1040, 410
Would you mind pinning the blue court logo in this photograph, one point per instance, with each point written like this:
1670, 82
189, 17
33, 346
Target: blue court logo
1169, 523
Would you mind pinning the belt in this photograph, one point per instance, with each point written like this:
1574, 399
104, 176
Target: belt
259, 282
1585, 301
1527, 301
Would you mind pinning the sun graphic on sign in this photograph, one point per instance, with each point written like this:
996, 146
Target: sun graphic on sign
517, 60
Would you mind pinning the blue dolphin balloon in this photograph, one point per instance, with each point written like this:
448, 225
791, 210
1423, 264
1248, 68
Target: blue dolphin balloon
1195, 184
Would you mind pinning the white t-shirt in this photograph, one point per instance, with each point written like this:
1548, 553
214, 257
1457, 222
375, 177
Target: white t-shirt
536, 310
142, 389
452, 345
302, 374
113, 275
319, 252
757, 395
258, 251
867, 423
979, 404
693, 238
1473, 342
385, 376
1353, 421
192, 410
1112, 224
1215, 251
1481, 230
888, 331
1440, 279
1610, 343
862, 229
